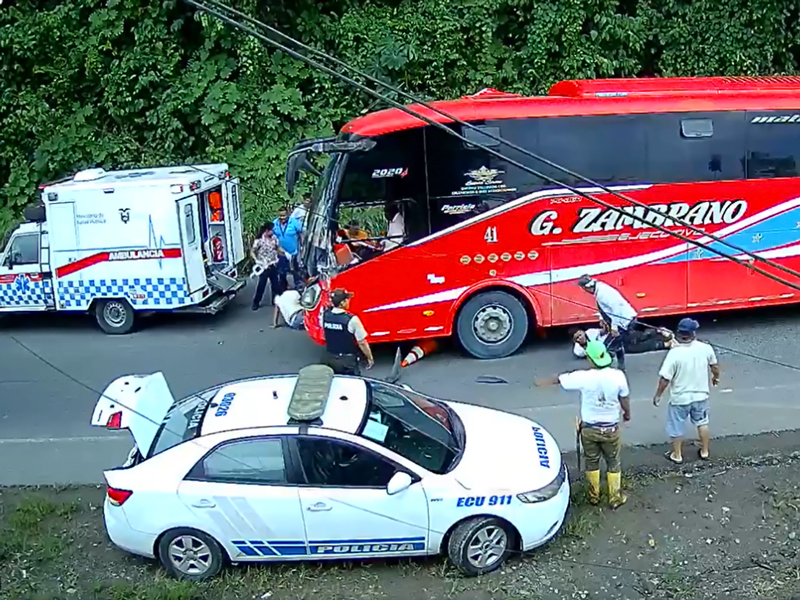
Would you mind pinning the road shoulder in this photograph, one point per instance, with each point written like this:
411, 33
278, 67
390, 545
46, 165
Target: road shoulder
722, 529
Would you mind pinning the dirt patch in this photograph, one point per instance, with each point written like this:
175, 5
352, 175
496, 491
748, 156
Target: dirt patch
727, 531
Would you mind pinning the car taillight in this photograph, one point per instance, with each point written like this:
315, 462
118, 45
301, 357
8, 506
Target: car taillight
118, 497
114, 421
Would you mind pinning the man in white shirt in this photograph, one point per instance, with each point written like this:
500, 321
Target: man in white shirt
685, 371
616, 311
288, 307
604, 392
396, 229
300, 212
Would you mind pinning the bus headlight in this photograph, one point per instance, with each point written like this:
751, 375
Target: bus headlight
548, 492
310, 297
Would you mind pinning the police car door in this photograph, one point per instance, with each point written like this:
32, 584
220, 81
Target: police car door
347, 509
191, 244
238, 493
22, 284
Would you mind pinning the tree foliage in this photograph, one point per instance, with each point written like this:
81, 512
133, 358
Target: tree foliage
126, 83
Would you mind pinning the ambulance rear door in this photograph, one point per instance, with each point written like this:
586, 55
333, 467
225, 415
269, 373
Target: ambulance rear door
233, 219
191, 243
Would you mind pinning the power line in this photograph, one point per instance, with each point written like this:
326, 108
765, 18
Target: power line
201, 6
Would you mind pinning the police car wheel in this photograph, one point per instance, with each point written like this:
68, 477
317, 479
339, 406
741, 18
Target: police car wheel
190, 554
115, 316
480, 545
492, 325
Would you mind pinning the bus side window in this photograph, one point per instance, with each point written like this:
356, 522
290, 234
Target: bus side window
773, 145
686, 147
464, 180
608, 149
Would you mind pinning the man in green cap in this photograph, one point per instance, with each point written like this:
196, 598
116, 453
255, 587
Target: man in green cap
604, 391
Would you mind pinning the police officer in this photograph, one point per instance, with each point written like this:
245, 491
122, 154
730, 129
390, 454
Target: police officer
345, 336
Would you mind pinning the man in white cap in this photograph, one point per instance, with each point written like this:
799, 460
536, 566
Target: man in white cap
616, 311
685, 372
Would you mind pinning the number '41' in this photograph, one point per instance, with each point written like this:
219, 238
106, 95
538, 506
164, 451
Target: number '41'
490, 235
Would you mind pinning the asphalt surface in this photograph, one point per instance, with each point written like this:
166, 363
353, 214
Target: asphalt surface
45, 435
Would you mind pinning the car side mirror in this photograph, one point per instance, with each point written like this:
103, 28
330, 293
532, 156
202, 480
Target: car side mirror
9, 262
399, 482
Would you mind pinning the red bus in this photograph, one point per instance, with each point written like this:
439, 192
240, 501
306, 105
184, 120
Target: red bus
490, 251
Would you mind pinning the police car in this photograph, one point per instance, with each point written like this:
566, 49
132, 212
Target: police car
317, 466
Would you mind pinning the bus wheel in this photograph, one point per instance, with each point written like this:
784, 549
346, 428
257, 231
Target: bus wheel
492, 325
115, 316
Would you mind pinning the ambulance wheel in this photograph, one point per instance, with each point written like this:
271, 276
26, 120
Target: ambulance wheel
115, 316
480, 545
492, 325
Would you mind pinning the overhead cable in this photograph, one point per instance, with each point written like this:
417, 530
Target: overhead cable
649, 211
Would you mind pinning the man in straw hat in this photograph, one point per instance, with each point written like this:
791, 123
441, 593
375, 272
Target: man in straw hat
604, 391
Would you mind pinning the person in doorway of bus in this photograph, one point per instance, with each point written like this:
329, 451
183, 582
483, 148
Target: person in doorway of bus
300, 211
604, 393
396, 228
359, 241
288, 309
265, 253
345, 336
288, 231
639, 341
616, 311
685, 371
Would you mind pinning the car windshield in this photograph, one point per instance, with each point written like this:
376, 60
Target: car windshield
420, 429
182, 422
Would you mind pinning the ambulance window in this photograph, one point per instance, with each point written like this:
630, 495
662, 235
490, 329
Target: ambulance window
24, 250
189, 223
235, 201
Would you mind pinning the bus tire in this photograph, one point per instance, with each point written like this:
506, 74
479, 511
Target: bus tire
492, 325
115, 316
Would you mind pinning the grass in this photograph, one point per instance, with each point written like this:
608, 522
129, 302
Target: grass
29, 533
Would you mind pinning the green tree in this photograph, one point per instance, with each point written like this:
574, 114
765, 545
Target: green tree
128, 83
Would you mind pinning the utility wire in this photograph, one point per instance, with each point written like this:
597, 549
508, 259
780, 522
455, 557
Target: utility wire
550, 294
468, 125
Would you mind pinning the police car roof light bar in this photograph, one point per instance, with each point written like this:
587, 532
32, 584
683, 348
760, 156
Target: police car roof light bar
311, 392
649, 211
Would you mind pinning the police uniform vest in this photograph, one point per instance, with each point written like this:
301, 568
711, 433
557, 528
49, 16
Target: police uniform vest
338, 340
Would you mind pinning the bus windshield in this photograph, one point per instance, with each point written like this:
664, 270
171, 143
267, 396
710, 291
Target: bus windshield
318, 250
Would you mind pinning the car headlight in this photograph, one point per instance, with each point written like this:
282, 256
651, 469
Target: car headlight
310, 297
547, 492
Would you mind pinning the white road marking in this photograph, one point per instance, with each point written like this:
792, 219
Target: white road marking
96, 438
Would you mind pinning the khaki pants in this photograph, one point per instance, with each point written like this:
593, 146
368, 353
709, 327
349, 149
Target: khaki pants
599, 444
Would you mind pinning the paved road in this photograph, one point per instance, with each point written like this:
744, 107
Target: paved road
45, 436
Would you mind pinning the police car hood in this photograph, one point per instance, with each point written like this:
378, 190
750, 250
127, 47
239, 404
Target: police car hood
504, 451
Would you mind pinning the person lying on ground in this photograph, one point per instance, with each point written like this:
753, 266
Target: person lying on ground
648, 339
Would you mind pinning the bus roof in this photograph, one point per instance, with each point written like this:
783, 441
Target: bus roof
599, 97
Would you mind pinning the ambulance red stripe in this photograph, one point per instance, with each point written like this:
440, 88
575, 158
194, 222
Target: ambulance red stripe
126, 255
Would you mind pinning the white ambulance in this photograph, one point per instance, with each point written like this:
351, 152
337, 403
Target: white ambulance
121, 243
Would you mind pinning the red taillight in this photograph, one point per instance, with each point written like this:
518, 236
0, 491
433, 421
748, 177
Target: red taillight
118, 497
114, 421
